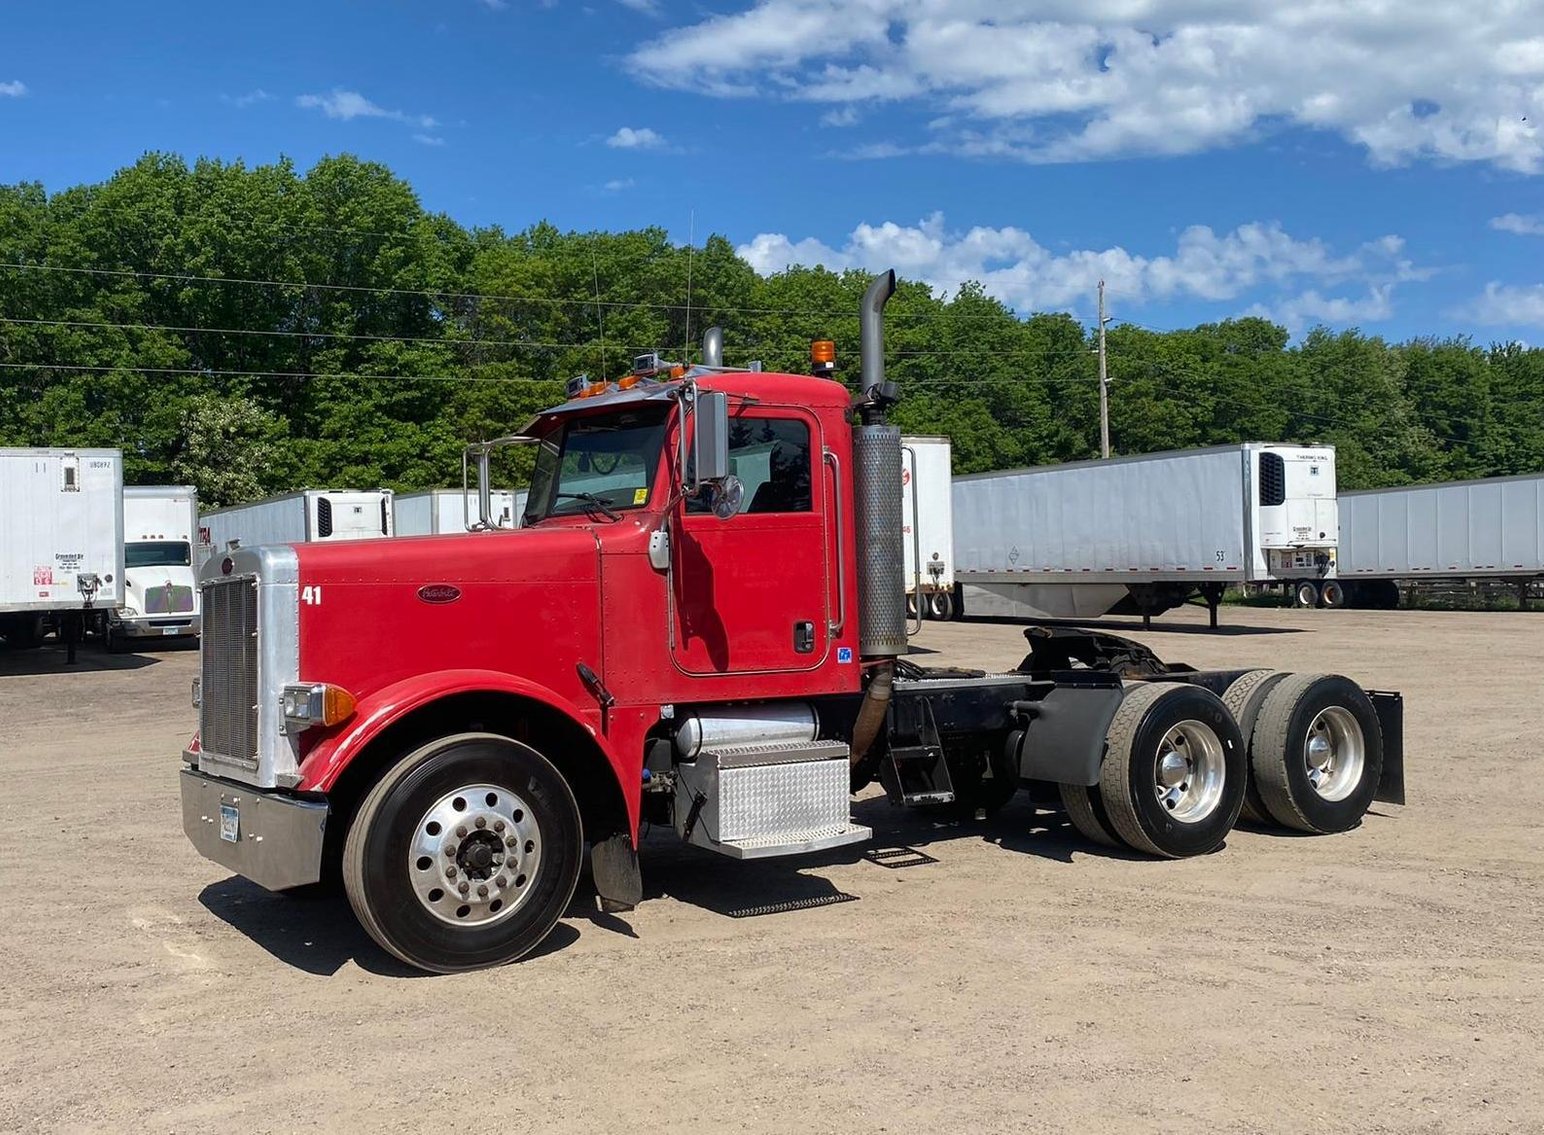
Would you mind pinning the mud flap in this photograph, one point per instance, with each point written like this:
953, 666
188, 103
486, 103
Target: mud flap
618, 881
1391, 719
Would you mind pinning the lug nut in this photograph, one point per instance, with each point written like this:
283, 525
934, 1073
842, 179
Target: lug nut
482, 891
501, 881
482, 822
511, 843
464, 887
450, 847
461, 831
450, 872
498, 825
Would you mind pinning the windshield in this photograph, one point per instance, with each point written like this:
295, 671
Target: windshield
597, 465
158, 553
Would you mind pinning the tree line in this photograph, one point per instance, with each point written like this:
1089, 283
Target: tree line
252, 330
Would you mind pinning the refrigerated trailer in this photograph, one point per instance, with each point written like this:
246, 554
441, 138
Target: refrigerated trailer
1142, 535
160, 599
927, 526
309, 516
61, 540
435, 512
701, 626
1457, 531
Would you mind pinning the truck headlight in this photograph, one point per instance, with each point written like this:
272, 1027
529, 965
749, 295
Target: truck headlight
317, 703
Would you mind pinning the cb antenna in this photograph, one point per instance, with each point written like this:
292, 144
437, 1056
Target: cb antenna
691, 243
600, 314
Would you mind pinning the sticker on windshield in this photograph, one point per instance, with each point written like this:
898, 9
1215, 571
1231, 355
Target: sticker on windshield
640, 496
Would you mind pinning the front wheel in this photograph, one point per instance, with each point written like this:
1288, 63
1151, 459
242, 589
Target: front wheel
1172, 781
465, 854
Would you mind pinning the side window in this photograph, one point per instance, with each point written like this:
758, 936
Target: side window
771, 456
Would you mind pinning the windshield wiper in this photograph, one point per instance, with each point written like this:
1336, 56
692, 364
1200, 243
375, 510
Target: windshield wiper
593, 501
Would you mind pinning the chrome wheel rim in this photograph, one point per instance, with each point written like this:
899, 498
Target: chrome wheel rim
1335, 753
474, 855
1190, 771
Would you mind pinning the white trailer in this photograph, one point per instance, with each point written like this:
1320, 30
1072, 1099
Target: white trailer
927, 526
1457, 531
435, 512
298, 518
160, 600
1142, 535
61, 540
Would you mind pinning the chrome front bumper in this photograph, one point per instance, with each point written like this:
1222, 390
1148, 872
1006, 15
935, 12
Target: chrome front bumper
161, 626
277, 839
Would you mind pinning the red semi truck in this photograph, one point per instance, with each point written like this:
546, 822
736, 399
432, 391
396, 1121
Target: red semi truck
700, 623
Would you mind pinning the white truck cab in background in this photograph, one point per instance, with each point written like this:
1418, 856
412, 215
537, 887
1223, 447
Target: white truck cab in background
160, 598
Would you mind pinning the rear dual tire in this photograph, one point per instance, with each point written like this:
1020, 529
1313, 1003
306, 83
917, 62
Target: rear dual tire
1172, 780
1316, 753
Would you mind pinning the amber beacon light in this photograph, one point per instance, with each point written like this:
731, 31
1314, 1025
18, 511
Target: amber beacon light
822, 358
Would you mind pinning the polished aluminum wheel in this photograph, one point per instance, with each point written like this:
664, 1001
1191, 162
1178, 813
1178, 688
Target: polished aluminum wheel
1190, 772
474, 854
1335, 752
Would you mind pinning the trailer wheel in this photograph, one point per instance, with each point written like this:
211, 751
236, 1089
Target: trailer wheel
1172, 781
1086, 810
1331, 594
1317, 752
1244, 698
465, 854
1305, 593
940, 606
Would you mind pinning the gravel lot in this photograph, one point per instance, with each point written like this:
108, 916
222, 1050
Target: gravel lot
1385, 980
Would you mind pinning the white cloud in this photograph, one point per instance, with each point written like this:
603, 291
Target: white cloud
642, 138
647, 7
1027, 276
1508, 305
618, 184
428, 140
13, 89
1519, 224
1066, 80
842, 116
1310, 307
348, 105
251, 98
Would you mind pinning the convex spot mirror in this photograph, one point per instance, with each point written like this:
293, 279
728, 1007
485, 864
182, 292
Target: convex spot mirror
725, 496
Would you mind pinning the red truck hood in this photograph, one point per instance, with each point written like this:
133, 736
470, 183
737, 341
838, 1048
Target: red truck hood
375, 612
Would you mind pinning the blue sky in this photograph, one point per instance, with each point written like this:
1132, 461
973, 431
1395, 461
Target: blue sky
1338, 161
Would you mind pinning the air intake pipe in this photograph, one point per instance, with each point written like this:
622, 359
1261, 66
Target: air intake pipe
876, 449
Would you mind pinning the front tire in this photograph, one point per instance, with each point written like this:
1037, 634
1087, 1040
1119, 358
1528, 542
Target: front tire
1172, 782
465, 854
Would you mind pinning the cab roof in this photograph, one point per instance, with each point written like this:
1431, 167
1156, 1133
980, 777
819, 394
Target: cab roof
760, 386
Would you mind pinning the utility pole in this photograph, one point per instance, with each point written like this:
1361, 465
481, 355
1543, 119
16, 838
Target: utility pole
1104, 382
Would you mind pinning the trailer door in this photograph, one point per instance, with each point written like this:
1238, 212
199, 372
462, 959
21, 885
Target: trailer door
748, 594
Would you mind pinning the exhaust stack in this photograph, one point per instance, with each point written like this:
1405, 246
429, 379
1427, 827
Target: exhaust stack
877, 492
713, 347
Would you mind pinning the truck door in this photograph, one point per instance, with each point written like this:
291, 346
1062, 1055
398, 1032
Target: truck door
749, 594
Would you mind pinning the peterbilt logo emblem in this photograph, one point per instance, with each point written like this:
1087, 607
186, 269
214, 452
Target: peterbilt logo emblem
439, 593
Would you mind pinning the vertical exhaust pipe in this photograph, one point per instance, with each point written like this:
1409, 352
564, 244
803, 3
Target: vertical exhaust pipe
713, 347
876, 447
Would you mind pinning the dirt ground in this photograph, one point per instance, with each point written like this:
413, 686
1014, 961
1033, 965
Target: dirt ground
1386, 980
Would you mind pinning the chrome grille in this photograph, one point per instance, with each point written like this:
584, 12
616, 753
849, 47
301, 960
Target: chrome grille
171, 599
228, 667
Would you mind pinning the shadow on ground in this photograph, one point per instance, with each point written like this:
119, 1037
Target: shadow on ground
315, 931
50, 659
